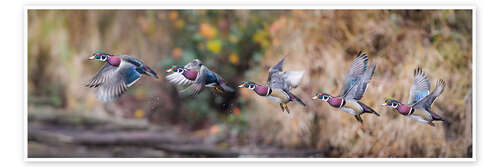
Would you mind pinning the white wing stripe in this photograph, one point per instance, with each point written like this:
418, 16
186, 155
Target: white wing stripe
178, 79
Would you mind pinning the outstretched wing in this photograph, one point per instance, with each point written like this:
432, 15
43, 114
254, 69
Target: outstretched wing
178, 79
199, 83
104, 73
357, 69
278, 67
292, 78
359, 89
427, 101
114, 81
420, 87
275, 79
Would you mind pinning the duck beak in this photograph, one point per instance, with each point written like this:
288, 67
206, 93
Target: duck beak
384, 104
170, 70
91, 58
242, 85
315, 98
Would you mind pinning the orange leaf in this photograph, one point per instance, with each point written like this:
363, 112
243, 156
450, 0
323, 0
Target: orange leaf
177, 52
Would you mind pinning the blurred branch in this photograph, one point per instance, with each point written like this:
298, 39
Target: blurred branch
107, 138
166, 142
211, 151
202, 150
65, 119
63, 129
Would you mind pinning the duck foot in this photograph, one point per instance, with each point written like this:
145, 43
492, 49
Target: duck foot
286, 107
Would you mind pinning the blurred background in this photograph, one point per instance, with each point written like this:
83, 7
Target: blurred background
65, 119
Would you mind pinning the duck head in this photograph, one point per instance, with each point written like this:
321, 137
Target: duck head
322, 96
101, 56
176, 68
389, 102
333, 101
261, 90
248, 84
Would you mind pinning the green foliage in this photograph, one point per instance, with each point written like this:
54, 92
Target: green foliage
226, 41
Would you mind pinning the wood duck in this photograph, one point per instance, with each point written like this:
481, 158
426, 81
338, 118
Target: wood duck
420, 101
354, 87
198, 76
278, 86
119, 73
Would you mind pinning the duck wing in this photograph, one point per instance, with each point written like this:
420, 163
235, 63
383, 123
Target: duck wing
359, 89
426, 102
358, 68
420, 87
113, 81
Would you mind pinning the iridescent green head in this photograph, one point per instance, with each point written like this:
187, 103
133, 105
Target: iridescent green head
321, 96
389, 102
248, 84
176, 68
101, 56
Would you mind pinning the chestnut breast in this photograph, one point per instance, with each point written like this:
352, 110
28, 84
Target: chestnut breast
191, 75
261, 90
114, 60
403, 109
335, 102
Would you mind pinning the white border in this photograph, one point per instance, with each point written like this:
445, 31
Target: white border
166, 7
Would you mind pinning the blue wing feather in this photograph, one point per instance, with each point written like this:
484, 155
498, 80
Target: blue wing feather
131, 75
348, 86
418, 96
211, 78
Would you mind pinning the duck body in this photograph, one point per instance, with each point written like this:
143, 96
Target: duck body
118, 73
278, 86
420, 101
355, 83
350, 106
197, 76
419, 115
277, 95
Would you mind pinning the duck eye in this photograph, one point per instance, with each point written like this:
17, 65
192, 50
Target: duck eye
246, 85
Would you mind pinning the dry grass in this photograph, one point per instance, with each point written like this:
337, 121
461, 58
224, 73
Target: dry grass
324, 44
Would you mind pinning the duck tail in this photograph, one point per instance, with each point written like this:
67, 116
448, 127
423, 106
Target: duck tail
369, 109
437, 117
150, 72
225, 87
295, 98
